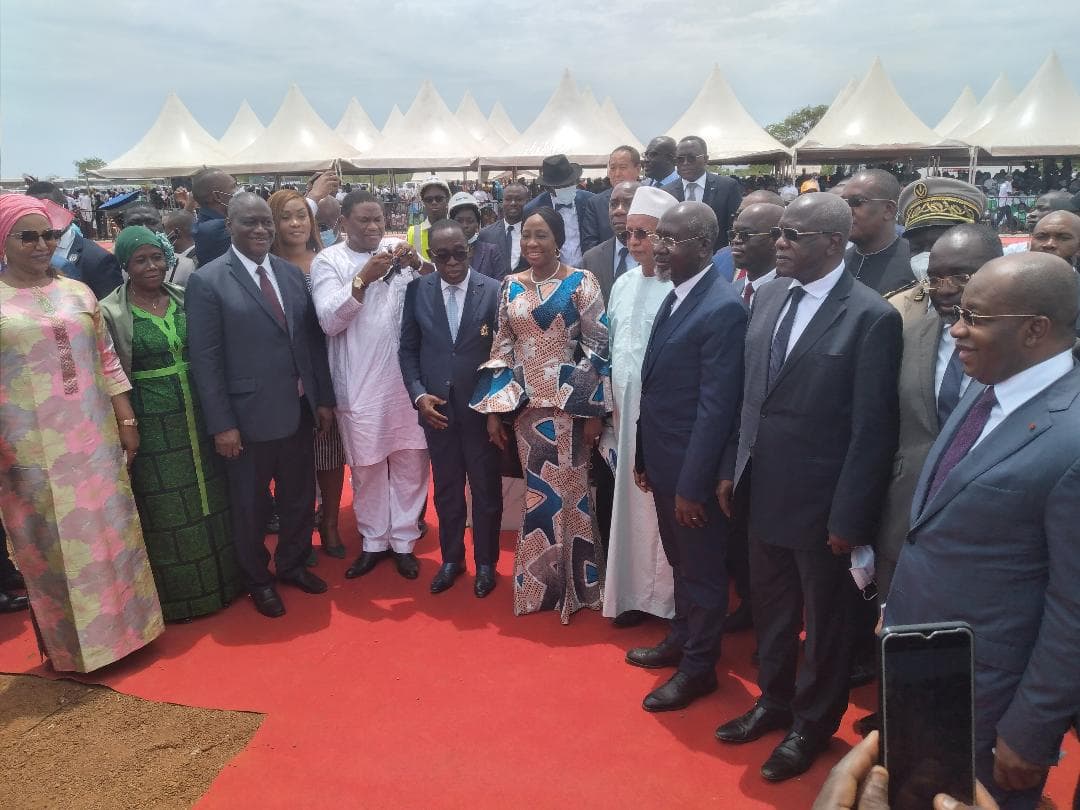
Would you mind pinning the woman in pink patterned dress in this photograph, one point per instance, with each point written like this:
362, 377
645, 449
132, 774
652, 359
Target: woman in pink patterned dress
66, 431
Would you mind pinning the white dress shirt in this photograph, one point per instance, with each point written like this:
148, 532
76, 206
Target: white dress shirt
699, 192
515, 243
756, 284
570, 252
684, 289
251, 267
944, 354
1019, 388
816, 292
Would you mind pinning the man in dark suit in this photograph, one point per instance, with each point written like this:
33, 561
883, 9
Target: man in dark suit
691, 382
259, 361
447, 327
611, 258
624, 166
660, 162
559, 178
815, 448
721, 194
506, 233
994, 519
878, 257
212, 189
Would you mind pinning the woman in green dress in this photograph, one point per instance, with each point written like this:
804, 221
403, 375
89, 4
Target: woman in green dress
177, 478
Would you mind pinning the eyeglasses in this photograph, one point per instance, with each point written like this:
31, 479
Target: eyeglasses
636, 233
688, 158
668, 243
443, 256
957, 280
745, 234
793, 235
859, 202
31, 237
436, 200
224, 196
973, 318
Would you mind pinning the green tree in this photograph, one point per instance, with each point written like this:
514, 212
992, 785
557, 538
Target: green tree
88, 165
797, 124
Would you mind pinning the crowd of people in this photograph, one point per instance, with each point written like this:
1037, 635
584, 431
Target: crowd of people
705, 389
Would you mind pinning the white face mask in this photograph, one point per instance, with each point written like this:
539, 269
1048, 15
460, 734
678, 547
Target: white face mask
920, 263
862, 567
565, 195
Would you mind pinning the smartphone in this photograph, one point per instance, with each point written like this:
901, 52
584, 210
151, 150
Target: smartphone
927, 694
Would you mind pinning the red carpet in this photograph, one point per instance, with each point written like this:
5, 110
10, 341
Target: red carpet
379, 695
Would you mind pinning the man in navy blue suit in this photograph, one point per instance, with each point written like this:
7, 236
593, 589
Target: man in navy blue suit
691, 384
721, 194
559, 178
623, 166
446, 331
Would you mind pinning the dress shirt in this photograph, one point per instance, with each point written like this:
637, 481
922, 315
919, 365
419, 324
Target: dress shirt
699, 193
571, 249
816, 292
671, 178
944, 354
462, 287
684, 289
631, 262
1019, 388
757, 283
515, 243
252, 267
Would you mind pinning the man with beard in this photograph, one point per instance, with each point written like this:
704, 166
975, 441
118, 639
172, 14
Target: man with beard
878, 257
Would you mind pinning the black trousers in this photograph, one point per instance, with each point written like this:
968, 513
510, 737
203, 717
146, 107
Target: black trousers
290, 464
603, 479
701, 584
7, 567
461, 453
787, 584
738, 553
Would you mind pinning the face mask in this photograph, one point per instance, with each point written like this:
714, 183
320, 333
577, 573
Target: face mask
919, 264
564, 196
475, 236
862, 569
328, 238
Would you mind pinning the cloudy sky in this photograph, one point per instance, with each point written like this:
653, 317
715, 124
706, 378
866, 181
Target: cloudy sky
88, 78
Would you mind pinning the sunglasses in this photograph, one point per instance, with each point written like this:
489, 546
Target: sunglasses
668, 243
957, 281
31, 237
688, 158
635, 233
973, 318
434, 200
859, 202
744, 235
443, 256
793, 235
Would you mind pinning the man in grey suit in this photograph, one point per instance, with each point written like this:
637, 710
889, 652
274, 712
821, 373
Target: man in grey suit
624, 165
816, 443
449, 319
259, 361
695, 182
611, 258
505, 234
993, 537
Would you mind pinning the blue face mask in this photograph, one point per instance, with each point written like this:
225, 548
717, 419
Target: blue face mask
328, 238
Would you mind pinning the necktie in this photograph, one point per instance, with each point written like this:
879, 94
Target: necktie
452, 313
661, 316
691, 192
964, 439
621, 267
748, 293
509, 243
740, 274
778, 351
271, 297
949, 394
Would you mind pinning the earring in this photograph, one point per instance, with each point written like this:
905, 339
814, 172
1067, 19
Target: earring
558, 253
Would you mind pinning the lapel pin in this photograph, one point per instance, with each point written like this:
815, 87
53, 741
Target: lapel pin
1031, 426
485, 330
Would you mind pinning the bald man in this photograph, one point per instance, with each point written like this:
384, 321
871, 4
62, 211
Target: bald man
992, 540
1058, 233
723, 259
879, 257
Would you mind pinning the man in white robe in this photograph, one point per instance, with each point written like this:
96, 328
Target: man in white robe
358, 286
639, 579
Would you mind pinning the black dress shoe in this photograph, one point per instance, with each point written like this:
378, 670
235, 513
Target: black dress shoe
864, 725
485, 580
13, 581
742, 618
754, 724
445, 576
629, 618
407, 565
267, 601
792, 757
365, 562
862, 673
11, 603
306, 581
679, 692
658, 657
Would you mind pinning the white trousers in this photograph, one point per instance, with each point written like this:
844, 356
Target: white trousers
387, 499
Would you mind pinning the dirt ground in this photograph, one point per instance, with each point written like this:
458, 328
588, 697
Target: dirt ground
68, 745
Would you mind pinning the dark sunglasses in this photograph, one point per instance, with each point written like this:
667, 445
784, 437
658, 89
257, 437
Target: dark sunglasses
793, 235
858, 202
688, 158
635, 233
443, 256
745, 234
973, 318
49, 235
434, 200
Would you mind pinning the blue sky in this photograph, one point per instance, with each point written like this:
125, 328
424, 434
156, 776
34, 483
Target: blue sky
88, 78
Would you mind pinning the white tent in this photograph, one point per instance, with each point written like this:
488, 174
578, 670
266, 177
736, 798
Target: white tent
997, 98
175, 145
355, 127
732, 136
297, 140
566, 125
243, 130
616, 124
428, 137
1044, 120
393, 121
964, 106
833, 112
501, 123
468, 113
874, 123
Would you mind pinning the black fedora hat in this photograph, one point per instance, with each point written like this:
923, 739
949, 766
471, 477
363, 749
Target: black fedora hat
558, 172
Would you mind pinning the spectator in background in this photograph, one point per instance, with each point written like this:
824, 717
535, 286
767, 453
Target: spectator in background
624, 166
484, 257
178, 223
660, 162
328, 217
505, 233
435, 196
722, 194
212, 189
878, 257
559, 178
179, 268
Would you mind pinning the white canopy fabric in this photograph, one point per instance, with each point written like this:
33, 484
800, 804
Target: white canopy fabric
356, 128
175, 145
468, 113
997, 98
428, 137
732, 136
393, 121
1044, 120
296, 140
501, 123
616, 124
243, 130
832, 114
874, 123
964, 106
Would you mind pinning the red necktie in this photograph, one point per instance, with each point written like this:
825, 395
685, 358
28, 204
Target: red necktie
967, 433
740, 274
271, 297
748, 293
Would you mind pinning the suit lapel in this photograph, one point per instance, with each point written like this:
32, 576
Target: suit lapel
438, 304
926, 348
834, 305
243, 277
710, 189
468, 309
661, 335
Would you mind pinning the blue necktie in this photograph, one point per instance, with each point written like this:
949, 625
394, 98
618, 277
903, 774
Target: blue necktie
621, 268
561, 206
452, 314
949, 394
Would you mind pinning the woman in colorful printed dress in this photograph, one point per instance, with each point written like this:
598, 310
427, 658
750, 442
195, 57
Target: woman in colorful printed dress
178, 479
66, 430
549, 364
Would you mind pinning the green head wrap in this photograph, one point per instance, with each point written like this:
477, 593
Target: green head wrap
134, 237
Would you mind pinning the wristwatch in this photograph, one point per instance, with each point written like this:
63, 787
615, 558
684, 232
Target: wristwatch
129, 422
358, 283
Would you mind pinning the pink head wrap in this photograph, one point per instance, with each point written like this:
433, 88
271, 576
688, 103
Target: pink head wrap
14, 207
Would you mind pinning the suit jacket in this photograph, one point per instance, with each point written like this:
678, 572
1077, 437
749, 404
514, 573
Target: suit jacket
691, 381
600, 261
487, 260
581, 200
495, 234
725, 264
94, 266
997, 547
816, 449
244, 363
212, 238
722, 195
597, 223
430, 363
